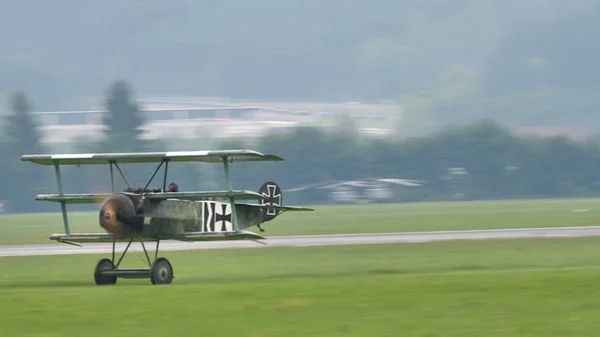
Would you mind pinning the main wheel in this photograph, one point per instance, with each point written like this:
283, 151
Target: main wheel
161, 271
104, 264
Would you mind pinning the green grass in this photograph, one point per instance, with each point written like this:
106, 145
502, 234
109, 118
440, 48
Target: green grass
544, 287
35, 228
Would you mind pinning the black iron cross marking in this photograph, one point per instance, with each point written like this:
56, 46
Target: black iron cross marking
223, 218
271, 199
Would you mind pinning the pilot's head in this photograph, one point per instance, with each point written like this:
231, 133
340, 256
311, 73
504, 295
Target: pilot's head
173, 187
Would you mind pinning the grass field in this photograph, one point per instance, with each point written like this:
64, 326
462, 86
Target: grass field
35, 228
519, 288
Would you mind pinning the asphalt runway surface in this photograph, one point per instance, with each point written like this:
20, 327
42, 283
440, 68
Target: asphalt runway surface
306, 240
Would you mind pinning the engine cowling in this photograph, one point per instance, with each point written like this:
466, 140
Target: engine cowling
118, 215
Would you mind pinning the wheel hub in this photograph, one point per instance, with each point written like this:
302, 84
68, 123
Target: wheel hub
163, 273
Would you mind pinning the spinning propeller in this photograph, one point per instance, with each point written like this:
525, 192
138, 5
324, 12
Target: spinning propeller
118, 215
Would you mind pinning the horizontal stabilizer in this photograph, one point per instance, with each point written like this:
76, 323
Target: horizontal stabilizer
74, 198
292, 208
241, 194
282, 208
215, 156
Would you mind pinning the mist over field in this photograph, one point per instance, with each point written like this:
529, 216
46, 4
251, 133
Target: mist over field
418, 67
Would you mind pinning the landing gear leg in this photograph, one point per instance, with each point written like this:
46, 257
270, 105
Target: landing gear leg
160, 271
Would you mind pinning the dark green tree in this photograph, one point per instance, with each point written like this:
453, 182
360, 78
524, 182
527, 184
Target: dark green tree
4, 170
22, 181
22, 131
122, 119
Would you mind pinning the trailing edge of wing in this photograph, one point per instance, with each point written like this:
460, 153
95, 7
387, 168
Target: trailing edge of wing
149, 157
240, 194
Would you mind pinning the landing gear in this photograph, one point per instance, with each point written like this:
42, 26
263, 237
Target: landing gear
160, 271
102, 266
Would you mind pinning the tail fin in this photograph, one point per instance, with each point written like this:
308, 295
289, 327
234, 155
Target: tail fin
272, 196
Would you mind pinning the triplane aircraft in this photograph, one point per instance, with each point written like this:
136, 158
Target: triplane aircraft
157, 214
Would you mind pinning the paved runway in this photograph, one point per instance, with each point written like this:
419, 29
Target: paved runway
308, 240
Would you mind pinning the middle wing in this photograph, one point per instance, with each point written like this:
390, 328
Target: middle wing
92, 198
239, 194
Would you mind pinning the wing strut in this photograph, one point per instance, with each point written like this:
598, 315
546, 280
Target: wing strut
165, 176
153, 175
112, 178
63, 205
123, 175
231, 198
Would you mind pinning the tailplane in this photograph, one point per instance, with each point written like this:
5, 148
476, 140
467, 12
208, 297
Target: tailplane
268, 208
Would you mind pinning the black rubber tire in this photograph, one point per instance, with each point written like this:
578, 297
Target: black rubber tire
104, 264
161, 271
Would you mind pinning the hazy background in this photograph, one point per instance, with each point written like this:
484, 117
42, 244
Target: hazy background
526, 66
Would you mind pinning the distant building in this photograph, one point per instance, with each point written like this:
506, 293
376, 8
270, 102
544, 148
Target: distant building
573, 132
193, 119
365, 190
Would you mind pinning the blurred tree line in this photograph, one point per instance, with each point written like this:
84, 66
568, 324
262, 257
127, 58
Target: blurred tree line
495, 162
482, 160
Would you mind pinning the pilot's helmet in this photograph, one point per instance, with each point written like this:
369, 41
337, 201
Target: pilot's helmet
173, 187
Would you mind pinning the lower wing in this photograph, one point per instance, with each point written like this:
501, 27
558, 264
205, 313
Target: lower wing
189, 237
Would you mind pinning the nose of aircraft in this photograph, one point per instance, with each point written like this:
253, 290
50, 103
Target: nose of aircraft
117, 215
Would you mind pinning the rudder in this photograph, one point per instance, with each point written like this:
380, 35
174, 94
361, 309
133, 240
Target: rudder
271, 196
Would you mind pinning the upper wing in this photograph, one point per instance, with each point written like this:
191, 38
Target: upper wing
149, 157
